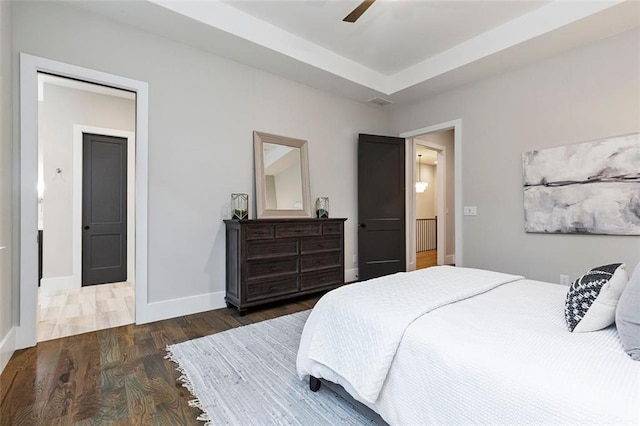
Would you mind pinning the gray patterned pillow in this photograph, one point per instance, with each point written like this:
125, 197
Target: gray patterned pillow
592, 298
628, 316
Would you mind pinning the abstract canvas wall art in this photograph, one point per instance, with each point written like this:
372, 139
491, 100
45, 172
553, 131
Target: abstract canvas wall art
584, 188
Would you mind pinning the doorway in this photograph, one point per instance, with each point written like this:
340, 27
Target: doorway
27, 209
446, 139
86, 199
426, 207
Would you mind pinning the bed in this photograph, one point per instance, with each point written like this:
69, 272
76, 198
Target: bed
452, 345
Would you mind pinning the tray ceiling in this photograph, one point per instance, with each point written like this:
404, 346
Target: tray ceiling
399, 50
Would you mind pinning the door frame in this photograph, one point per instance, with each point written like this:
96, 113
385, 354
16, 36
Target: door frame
441, 196
27, 225
456, 126
76, 243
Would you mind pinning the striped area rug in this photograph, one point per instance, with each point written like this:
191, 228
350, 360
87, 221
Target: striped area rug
247, 376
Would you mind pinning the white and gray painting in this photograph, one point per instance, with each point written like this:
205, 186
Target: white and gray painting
586, 188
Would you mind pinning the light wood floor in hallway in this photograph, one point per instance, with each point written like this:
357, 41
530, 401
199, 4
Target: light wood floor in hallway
425, 259
70, 312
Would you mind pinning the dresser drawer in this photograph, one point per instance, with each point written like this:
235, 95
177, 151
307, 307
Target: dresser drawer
332, 228
278, 258
272, 248
312, 262
271, 288
312, 280
267, 268
306, 229
311, 245
259, 232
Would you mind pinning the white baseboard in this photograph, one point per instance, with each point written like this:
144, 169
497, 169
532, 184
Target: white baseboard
157, 311
450, 259
58, 283
7, 347
350, 275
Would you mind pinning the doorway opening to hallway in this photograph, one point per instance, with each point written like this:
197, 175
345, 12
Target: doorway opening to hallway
432, 228
426, 188
86, 202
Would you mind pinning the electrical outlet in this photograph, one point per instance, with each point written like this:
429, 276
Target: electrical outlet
355, 259
564, 280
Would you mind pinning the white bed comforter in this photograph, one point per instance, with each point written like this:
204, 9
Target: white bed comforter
359, 346
503, 357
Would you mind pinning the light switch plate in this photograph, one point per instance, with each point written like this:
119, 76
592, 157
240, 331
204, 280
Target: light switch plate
470, 210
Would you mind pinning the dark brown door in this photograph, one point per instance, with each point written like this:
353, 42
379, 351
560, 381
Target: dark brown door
104, 209
381, 206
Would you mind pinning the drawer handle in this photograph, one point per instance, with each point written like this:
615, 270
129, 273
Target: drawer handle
273, 288
274, 268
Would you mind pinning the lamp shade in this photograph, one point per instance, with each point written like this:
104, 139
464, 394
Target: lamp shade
421, 186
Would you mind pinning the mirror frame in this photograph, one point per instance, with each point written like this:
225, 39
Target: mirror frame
260, 138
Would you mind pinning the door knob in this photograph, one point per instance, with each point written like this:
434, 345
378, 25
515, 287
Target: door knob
86, 227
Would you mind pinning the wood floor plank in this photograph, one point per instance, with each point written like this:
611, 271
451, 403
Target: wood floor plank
61, 393
109, 347
116, 376
142, 411
426, 259
87, 378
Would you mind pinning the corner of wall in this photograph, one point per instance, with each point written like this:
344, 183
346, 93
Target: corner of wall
8, 294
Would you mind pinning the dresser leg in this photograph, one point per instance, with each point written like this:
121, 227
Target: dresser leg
241, 312
314, 383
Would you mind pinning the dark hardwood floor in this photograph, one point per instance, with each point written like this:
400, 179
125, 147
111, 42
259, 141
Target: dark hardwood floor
115, 376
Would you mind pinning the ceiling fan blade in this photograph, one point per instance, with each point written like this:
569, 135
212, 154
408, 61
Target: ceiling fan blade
358, 11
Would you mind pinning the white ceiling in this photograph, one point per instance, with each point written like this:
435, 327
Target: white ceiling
400, 50
391, 35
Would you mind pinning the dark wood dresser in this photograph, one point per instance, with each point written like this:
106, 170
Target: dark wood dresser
276, 259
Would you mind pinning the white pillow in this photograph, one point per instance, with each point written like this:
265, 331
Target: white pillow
628, 316
592, 298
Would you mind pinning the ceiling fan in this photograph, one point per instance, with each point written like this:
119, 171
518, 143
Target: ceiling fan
358, 11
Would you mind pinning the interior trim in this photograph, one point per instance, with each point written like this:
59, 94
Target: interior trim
456, 125
27, 226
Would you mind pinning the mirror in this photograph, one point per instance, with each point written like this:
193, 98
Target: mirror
282, 176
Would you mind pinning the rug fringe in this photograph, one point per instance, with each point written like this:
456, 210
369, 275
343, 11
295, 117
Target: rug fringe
187, 383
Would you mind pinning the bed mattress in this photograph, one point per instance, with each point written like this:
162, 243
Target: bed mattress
503, 357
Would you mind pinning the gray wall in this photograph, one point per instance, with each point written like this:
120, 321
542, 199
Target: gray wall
588, 93
6, 179
202, 112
